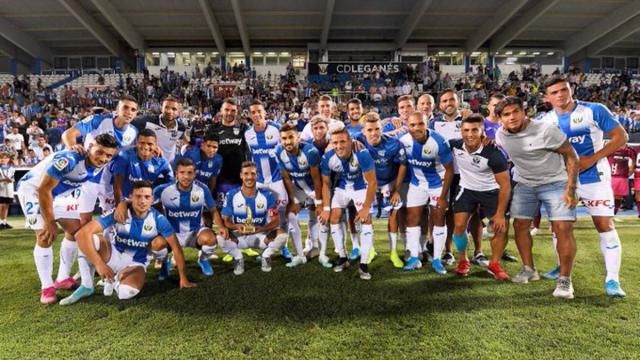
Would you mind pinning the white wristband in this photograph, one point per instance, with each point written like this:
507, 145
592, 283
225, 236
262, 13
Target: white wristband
326, 208
318, 202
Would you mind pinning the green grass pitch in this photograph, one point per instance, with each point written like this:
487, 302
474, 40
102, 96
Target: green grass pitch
313, 313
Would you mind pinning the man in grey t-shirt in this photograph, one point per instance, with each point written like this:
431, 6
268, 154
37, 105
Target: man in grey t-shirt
546, 170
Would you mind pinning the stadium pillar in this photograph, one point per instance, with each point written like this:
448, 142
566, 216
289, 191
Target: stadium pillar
37, 66
140, 63
13, 66
586, 65
565, 64
491, 60
467, 63
223, 63
247, 60
118, 65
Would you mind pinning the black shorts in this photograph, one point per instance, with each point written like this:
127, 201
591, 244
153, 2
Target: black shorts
453, 190
6, 200
469, 201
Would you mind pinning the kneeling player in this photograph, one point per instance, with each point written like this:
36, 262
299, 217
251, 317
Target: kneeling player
49, 195
484, 183
121, 262
183, 203
252, 216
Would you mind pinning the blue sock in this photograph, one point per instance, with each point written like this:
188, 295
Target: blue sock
460, 241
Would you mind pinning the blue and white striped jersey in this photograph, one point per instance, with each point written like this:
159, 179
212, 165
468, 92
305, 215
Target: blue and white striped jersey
136, 234
184, 208
349, 172
68, 167
262, 207
94, 125
297, 166
128, 164
585, 128
426, 159
387, 155
262, 145
205, 167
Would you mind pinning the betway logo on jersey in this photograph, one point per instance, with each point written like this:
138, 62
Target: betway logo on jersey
131, 242
183, 214
254, 220
578, 139
381, 161
298, 174
72, 183
228, 141
262, 151
415, 162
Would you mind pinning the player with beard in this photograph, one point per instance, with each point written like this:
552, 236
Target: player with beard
167, 126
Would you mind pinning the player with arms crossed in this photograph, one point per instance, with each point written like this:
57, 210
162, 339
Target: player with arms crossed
49, 195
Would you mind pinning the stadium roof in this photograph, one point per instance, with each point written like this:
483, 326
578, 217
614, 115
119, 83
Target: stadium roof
45, 28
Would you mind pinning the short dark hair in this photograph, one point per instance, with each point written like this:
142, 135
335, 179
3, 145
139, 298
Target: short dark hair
185, 161
211, 136
474, 119
246, 164
139, 184
509, 100
354, 101
288, 127
256, 102
446, 91
497, 95
107, 140
128, 98
146, 132
170, 98
325, 98
552, 80
229, 101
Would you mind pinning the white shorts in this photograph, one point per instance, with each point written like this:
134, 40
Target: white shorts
421, 196
120, 261
190, 239
92, 192
280, 192
303, 197
386, 198
341, 198
65, 206
256, 240
597, 198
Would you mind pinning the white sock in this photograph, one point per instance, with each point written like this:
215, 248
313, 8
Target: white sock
275, 245
68, 252
413, 240
355, 240
87, 271
206, 251
439, 240
323, 239
393, 241
126, 292
313, 230
337, 236
366, 243
296, 233
160, 254
43, 258
231, 248
612, 251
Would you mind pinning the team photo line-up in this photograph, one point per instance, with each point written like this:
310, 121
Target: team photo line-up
437, 175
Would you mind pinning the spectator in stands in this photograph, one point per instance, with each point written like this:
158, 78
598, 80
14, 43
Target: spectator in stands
54, 135
34, 132
30, 159
17, 141
6, 189
40, 146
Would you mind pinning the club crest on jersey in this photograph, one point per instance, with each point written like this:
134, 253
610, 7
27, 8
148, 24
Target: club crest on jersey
576, 119
127, 138
476, 159
151, 168
302, 162
61, 164
195, 198
269, 137
426, 151
147, 227
32, 219
260, 206
236, 131
381, 152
